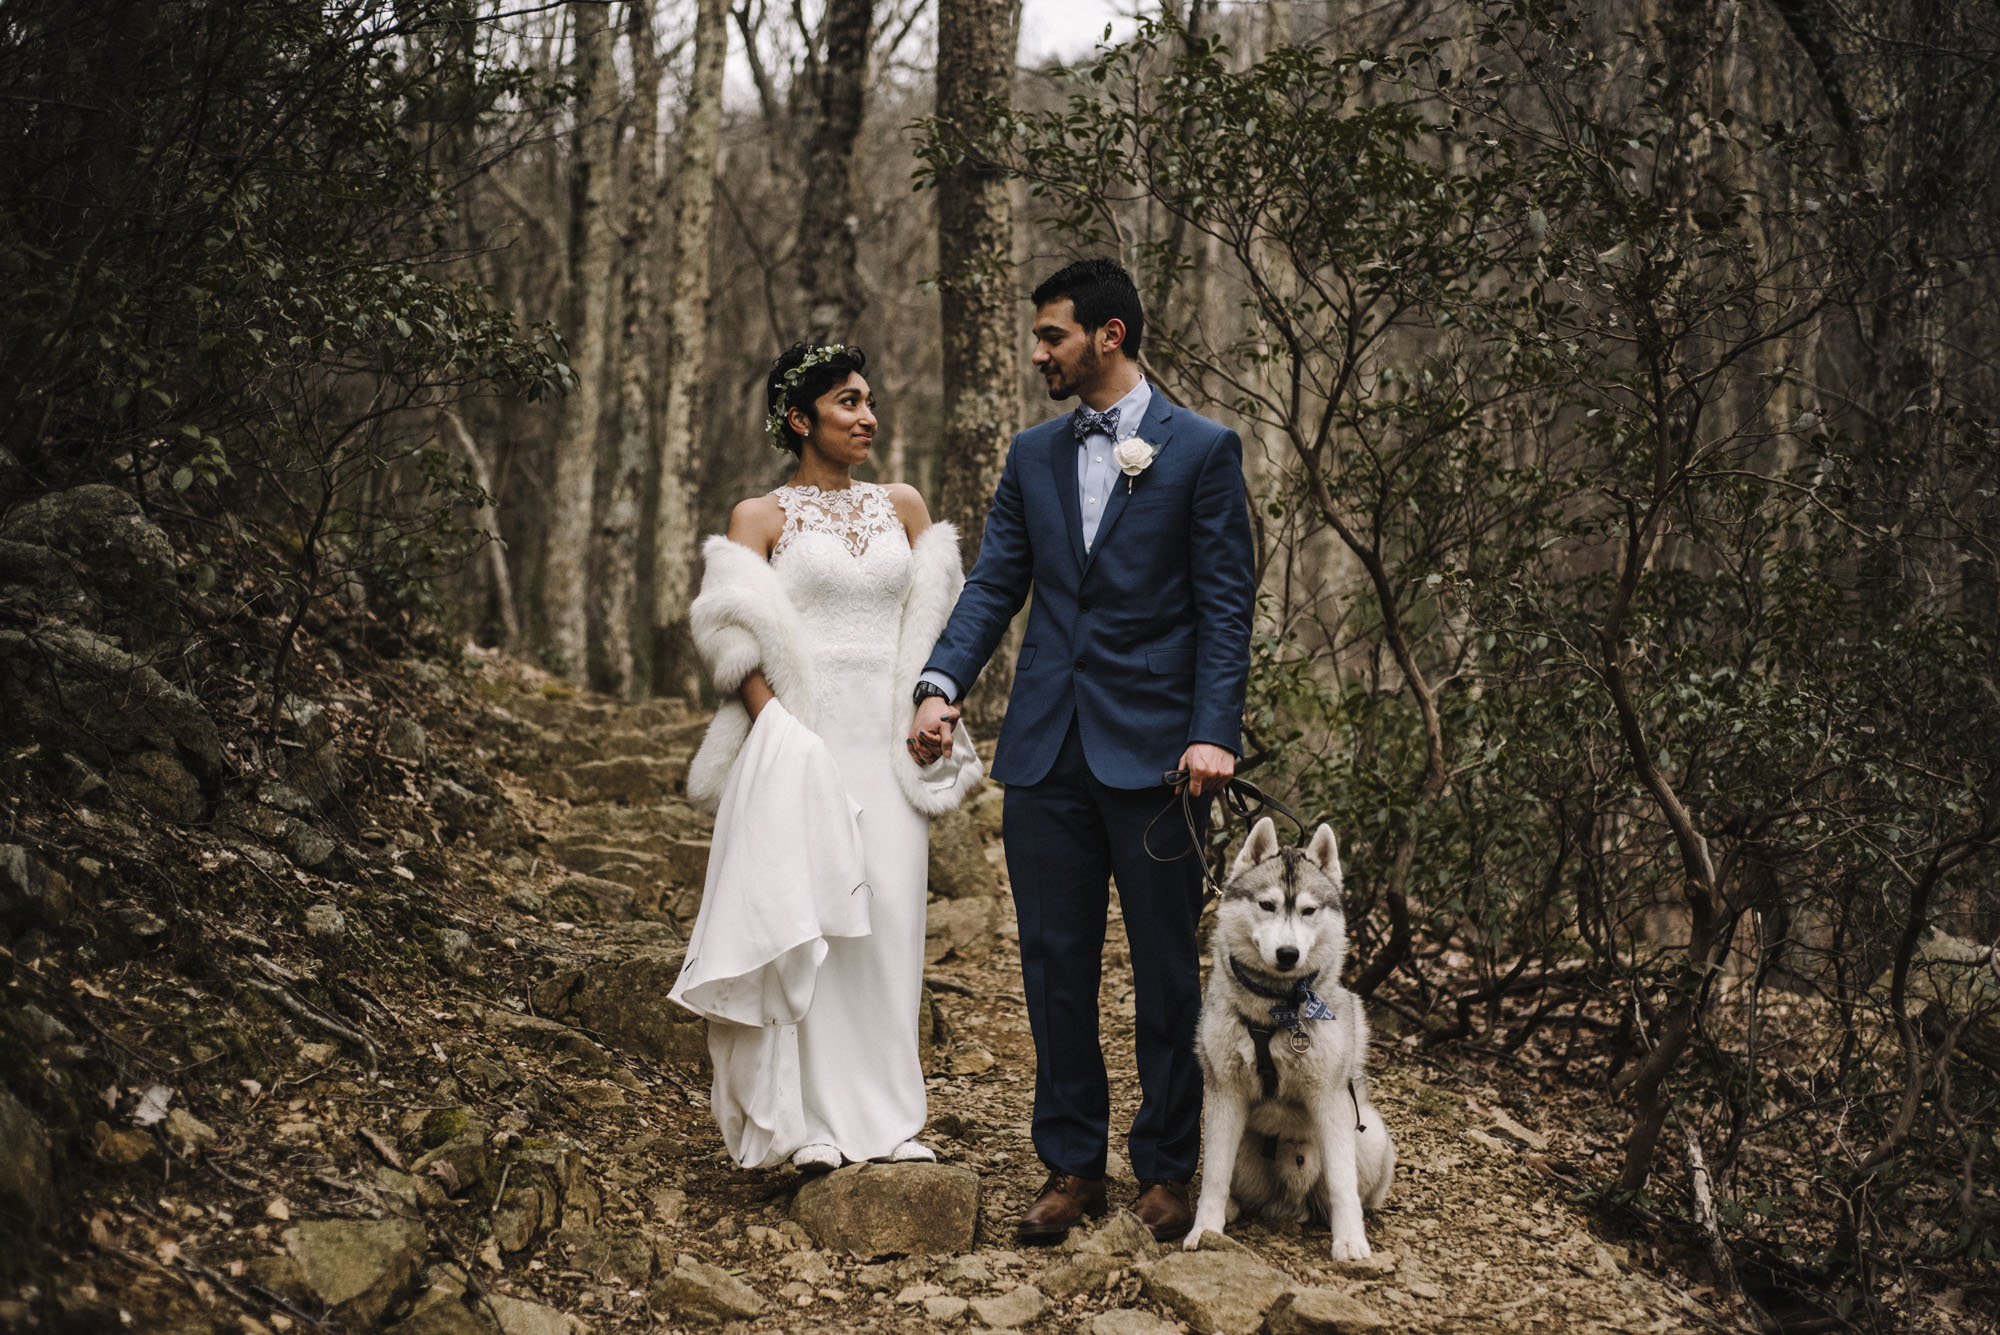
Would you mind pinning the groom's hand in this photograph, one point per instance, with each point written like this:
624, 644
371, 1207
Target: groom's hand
930, 730
1208, 767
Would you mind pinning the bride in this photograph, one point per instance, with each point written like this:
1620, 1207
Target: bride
815, 616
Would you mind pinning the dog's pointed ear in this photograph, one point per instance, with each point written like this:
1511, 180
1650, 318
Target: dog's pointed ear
1262, 844
1324, 851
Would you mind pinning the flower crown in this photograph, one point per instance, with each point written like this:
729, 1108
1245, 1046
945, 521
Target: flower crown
774, 421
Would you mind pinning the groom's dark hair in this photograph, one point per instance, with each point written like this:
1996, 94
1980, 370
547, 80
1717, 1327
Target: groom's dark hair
1100, 290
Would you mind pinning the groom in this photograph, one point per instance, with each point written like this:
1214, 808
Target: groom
1127, 522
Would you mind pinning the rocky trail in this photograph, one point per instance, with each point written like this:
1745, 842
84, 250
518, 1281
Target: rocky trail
423, 1078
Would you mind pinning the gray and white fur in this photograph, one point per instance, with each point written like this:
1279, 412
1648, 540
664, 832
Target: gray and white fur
1316, 1148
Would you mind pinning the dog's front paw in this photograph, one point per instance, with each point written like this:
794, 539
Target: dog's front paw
1192, 1242
1350, 1249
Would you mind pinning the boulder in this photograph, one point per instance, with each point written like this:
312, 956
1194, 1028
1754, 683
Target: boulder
78, 691
707, 1295
357, 1267
1017, 1307
27, 1183
958, 865
624, 1001
873, 1210
31, 893
1223, 1292
99, 551
964, 927
1322, 1312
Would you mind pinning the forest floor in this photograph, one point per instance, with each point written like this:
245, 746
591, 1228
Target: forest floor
463, 1085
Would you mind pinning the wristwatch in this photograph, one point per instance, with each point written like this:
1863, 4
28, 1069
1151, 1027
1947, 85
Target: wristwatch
925, 690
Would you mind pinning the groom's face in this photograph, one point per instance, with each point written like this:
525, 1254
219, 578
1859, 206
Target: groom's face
1070, 359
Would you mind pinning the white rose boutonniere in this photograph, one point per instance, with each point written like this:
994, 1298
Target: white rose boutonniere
1133, 457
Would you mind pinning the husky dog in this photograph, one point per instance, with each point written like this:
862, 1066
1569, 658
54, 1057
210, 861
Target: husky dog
1288, 1131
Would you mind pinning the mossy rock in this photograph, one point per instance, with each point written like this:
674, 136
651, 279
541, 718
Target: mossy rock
444, 1125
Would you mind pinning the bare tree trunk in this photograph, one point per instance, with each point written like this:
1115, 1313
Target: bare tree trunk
565, 582
488, 522
975, 71
829, 220
620, 665
687, 315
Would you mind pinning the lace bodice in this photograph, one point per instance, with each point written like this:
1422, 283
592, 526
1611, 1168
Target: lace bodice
856, 516
844, 559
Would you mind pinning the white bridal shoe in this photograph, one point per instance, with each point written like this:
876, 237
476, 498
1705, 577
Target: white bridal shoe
912, 1152
816, 1158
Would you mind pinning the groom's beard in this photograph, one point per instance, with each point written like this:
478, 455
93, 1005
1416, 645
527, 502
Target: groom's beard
1061, 387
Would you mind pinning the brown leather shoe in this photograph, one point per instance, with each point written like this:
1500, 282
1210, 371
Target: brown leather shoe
1064, 1200
1163, 1207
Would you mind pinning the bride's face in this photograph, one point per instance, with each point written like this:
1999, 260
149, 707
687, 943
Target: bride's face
846, 426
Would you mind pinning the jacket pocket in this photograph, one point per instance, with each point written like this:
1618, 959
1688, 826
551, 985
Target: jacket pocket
1027, 657
1171, 662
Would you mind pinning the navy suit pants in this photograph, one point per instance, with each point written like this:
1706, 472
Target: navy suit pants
1067, 837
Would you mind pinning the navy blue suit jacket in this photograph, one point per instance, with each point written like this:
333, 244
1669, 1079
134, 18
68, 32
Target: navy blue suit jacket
1145, 639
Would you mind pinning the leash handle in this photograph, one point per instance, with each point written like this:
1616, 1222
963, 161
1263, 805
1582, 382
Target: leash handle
1240, 797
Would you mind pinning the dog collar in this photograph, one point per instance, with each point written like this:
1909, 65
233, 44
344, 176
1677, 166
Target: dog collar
1293, 1007
1244, 977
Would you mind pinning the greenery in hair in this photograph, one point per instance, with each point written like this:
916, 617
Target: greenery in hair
774, 422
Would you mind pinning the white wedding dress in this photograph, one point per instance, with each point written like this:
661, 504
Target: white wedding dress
847, 1073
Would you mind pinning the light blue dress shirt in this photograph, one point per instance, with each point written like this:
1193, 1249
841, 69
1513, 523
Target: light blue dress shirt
1096, 473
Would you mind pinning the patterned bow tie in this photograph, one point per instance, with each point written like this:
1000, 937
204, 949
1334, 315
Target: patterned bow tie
1086, 423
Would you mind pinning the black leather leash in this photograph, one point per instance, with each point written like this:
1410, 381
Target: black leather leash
1239, 798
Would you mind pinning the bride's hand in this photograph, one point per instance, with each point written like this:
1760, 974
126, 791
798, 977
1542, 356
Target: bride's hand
930, 731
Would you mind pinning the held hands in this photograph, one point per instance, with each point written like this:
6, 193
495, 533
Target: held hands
1208, 768
930, 731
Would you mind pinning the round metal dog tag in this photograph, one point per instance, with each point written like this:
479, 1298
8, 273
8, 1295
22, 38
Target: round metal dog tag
1301, 1040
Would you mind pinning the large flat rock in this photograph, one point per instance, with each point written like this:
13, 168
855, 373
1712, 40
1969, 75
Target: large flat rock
891, 1209
1323, 1312
1223, 1292
357, 1267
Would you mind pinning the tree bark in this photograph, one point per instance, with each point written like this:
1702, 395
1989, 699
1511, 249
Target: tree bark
619, 666
829, 219
565, 581
672, 532
487, 521
975, 71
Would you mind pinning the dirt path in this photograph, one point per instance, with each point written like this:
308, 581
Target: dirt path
453, 1100
1472, 1239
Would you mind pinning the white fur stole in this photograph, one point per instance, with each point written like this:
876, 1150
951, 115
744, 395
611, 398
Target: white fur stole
743, 621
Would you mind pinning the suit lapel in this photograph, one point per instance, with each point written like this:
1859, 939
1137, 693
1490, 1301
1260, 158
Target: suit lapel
1062, 462
1156, 430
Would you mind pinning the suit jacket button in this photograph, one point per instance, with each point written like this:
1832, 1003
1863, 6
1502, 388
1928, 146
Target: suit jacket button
1079, 665
1083, 607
